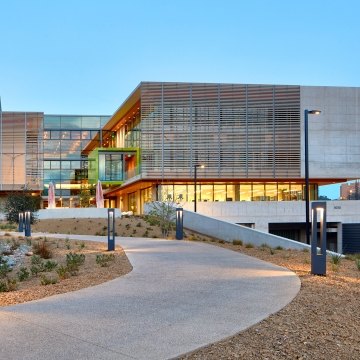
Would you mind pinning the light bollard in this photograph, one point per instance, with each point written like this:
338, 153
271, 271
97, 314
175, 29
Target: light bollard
179, 223
27, 218
21, 222
111, 229
318, 253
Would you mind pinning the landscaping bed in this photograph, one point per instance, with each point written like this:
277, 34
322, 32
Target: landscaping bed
55, 266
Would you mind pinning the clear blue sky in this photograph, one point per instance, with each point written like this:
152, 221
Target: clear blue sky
86, 56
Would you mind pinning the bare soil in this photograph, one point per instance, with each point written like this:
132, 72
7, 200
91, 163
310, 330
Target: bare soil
322, 322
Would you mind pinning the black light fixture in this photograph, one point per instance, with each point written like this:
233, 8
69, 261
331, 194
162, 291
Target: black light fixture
111, 229
179, 223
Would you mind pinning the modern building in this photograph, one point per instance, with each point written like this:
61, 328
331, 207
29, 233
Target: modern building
350, 191
36, 148
243, 145
250, 139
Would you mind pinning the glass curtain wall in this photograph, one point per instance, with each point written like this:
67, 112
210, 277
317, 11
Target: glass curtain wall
237, 192
64, 138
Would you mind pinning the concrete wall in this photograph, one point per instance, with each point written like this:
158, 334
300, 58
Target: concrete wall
228, 231
261, 213
334, 146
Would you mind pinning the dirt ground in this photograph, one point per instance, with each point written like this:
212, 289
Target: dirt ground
322, 322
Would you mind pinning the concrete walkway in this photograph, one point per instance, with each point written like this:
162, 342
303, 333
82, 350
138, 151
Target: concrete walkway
180, 296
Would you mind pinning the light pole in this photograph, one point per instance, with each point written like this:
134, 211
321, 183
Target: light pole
307, 189
195, 178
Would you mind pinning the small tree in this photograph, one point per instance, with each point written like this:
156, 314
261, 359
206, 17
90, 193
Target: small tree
20, 202
85, 195
164, 213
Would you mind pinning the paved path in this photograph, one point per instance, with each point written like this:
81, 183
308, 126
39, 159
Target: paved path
180, 296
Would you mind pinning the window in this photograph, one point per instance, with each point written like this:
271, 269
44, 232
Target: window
110, 167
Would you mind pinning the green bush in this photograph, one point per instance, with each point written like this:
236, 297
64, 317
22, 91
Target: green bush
36, 269
104, 259
20, 202
23, 274
249, 246
4, 268
36, 260
50, 265
45, 280
357, 262
63, 272
73, 262
336, 259
3, 286
8, 285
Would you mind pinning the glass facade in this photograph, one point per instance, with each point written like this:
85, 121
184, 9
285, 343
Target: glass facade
65, 139
238, 192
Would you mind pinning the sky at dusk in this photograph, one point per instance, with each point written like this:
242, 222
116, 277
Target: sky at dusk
86, 56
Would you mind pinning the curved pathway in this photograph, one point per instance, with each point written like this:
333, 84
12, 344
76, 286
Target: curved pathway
180, 296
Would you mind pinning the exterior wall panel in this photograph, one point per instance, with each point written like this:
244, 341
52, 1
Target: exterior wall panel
237, 131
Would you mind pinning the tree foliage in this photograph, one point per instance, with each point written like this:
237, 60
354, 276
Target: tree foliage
20, 202
163, 213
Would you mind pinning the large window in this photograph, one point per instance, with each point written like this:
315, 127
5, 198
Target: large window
110, 167
65, 138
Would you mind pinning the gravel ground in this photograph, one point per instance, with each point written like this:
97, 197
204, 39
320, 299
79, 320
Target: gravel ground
322, 322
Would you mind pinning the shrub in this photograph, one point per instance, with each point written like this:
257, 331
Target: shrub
73, 262
237, 242
50, 265
23, 274
279, 247
249, 246
4, 268
42, 249
45, 280
357, 262
221, 241
36, 269
36, 260
8, 285
336, 259
104, 259
3, 286
63, 272
163, 213
12, 284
